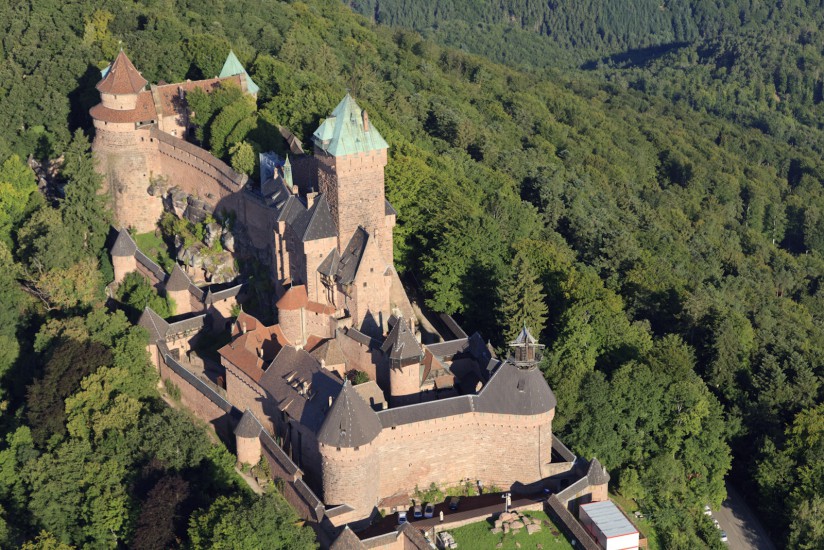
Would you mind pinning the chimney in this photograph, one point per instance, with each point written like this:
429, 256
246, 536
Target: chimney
365, 118
310, 198
243, 327
260, 352
294, 189
330, 401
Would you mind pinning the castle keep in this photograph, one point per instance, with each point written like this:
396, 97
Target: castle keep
444, 412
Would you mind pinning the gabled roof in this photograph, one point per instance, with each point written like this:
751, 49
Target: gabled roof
329, 266
122, 77
232, 67
513, 390
178, 280
329, 352
351, 257
315, 223
401, 342
292, 208
154, 323
248, 426
124, 245
350, 422
344, 132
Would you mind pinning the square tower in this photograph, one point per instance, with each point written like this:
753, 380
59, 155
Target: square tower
351, 156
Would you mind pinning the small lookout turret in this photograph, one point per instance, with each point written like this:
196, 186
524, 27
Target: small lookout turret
526, 351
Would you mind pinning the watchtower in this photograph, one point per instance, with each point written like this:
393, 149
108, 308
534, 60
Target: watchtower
351, 156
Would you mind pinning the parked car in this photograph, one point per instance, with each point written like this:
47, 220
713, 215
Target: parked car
453, 503
401, 517
723, 536
428, 510
707, 510
417, 512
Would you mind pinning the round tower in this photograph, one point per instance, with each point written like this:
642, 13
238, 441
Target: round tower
404, 354
247, 439
350, 467
123, 145
177, 289
123, 259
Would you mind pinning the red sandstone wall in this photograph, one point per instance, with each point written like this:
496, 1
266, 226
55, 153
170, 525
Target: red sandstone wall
349, 477
448, 450
242, 392
198, 403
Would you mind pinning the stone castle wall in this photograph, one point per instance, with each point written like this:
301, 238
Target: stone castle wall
436, 451
349, 477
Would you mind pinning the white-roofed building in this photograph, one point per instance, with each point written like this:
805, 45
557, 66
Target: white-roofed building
609, 526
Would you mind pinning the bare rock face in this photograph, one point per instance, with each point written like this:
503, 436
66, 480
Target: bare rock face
212, 234
227, 240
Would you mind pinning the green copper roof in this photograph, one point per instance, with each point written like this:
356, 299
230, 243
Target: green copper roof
343, 133
233, 67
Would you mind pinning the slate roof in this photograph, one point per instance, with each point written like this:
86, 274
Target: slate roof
513, 390
389, 210
351, 257
329, 266
178, 280
295, 145
525, 337
300, 387
154, 323
597, 474
401, 342
344, 132
350, 422
329, 352
124, 245
430, 410
232, 67
315, 223
122, 77
231, 292
347, 540
290, 210
248, 426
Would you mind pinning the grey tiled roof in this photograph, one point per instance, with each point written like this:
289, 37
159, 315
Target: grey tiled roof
290, 210
248, 426
351, 257
448, 349
347, 540
178, 280
597, 474
524, 337
572, 525
361, 338
513, 390
154, 323
329, 266
389, 210
350, 422
413, 537
300, 387
315, 223
276, 452
401, 342
197, 383
559, 447
419, 412
211, 297
149, 264
124, 245
195, 322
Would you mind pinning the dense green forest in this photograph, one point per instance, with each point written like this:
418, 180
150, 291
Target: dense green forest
677, 245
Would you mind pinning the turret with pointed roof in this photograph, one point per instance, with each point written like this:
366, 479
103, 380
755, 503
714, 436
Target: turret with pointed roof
350, 422
526, 351
122, 77
347, 131
233, 67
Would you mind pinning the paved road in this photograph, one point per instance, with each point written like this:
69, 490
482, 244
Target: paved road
744, 531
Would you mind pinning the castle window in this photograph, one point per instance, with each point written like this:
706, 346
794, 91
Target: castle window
371, 270
337, 449
356, 448
364, 284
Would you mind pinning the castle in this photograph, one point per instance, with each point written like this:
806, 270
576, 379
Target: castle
444, 412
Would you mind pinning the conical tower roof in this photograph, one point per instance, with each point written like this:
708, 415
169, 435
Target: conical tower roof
525, 337
248, 426
350, 422
232, 67
153, 323
178, 280
122, 77
401, 342
124, 245
347, 131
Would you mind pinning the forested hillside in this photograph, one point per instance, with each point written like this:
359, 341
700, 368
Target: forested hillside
678, 252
